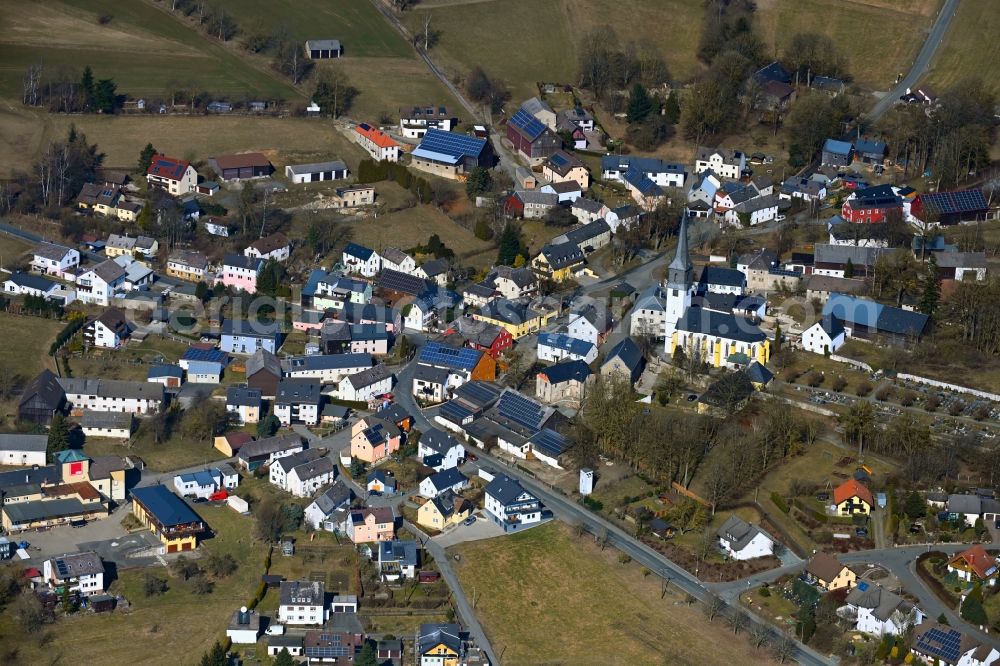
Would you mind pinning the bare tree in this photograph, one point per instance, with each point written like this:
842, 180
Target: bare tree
760, 634
737, 620
714, 606
782, 648
31, 83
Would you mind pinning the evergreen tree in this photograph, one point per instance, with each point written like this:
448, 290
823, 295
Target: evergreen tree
367, 656
87, 87
479, 181
672, 109
146, 157
640, 104
777, 339
849, 269
216, 656
201, 291
915, 506
106, 96
931, 295
284, 658
972, 609
508, 245
145, 219
270, 278
268, 425
58, 434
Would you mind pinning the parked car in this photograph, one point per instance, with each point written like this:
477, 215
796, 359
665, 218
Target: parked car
861, 532
469, 520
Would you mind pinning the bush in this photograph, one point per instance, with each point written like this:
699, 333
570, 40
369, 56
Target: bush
593, 504
764, 592
981, 412
839, 383
884, 393
956, 408
779, 502
907, 398
863, 388
815, 378
104, 19
931, 403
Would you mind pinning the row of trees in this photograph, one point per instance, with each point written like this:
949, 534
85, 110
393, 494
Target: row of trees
66, 90
606, 63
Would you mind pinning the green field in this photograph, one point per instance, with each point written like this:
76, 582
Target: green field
26, 343
143, 49
969, 43
547, 597
153, 630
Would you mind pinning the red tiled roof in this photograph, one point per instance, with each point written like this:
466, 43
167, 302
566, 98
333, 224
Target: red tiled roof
167, 167
851, 488
241, 161
376, 136
976, 559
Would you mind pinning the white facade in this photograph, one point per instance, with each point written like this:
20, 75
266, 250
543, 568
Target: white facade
302, 614
430, 491
87, 584
299, 412
306, 487
188, 182
759, 546
327, 375
554, 354
580, 328
895, 625
449, 458
815, 339
104, 336
678, 301
101, 402
55, 260
367, 267
726, 168
347, 391
91, 288
647, 321
406, 264
24, 456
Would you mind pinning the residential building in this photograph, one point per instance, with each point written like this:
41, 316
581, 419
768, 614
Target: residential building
380, 482
880, 612
438, 645
187, 265
554, 347
316, 172
975, 565
588, 237
588, 210
376, 143
24, 450
820, 287
825, 336
443, 511
398, 559
98, 285
564, 383
337, 337
724, 162
302, 603
326, 368
111, 330
117, 246
371, 524
111, 425
509, 505
353, 196
663, 174
541, 111
205, 483
625, 361
81, 572
852, 498
366, 385
447, 451
273, 246
298, 401
648, 313
826, 571
558, 262
740, 540
443, 481
254, 455
172, 175
243, 336
870, 320
303, 473
562, 166
531, 204
28, 284
363, 260
872, 205
837, 153
414, 121
243, 404
112, 395
512, 283
531, 137
942, 645
931, 209
450, 155
373, 439
245, 627
240, 272
328, 512
263, 372
40, 399
230, 443
108, 201
168, 517
395, 259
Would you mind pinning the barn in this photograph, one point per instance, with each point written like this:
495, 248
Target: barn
314, 173
241, 167
322, 49
935, 208
530, 137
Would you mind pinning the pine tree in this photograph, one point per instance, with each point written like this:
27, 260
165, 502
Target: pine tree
915, 506
479, 181
284, 658
58, 434
672, 109
87, 85
145, 219
640, 105
973, 611
777, 339
146, 157
508, 245
931, 295
367, 656
849, 269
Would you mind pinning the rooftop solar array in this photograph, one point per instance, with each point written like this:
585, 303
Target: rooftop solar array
944, 643
521, 410
549, 442
449, 143
954, 202
527, 124
404, 283
479, 392
436, 353
454, 411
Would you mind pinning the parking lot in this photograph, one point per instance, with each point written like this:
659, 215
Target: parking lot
483, 528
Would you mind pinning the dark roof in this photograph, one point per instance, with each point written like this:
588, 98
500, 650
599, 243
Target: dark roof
562, 254
456, 358
432, 635
527, 125
860, 311
246, 397
954, 203
832, 325
720, 324
759, 374
447, 478
166, 507
31, 281
562, 162
438, 440
628, 352
270, 243
729, 277
167, 167
942, 642
505, 489
359, 251
44, 389
450, 144
575, 370
773, 72
837, 147
294, 391
565, 343
269, 445
263, 360
402, 282
252, 329
549, 442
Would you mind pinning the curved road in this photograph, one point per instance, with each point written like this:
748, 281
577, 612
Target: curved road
934, 38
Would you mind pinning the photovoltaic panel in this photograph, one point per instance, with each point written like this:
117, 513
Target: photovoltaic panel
436, 353
521, 410
449, 143
527, 123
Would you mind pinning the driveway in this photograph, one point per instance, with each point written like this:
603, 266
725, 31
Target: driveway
483, 528
67, 539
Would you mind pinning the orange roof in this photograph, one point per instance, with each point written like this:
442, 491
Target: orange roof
976, 559
851, 488
375, 135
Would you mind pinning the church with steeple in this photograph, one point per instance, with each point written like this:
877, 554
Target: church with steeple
707, 327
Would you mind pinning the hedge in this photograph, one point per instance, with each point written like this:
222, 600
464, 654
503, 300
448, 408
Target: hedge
780, 502
68, 332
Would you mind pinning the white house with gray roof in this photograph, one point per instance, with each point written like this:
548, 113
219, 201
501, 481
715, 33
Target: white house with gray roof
57, 260
326, 368
879, 612
328, 512
365, 385
440, 448
302, 603
316, 172
80, 572
742, 541
22, 450
509, 505
648, 315
99, 284
112, 395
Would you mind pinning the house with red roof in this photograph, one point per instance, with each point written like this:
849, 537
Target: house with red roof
851, 498
975, 565
175, 176
377, 143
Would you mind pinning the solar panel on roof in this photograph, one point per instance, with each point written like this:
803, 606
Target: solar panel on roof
436, 353
550, 442
521, 410
449, 143
527, 123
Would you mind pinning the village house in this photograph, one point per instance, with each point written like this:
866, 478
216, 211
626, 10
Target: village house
531, 137
117, 246
303, 473
825, 336
648, 315
168, 517
371, 524
516, 317
826, 571
172, 175
23, 450
398, 559
879, 612
588, 210
662, 174
376, 143
373, 439
566, 191
558, 262
975, 565
243, 404
438, 645
366, 385
298, 401
273, 246
439, 482
441, 449
942, 645
564, 383
206, 482
28, 284
243, 336
870, 320
837, 153
302, 603
99, 284
624, 361
41, 399
443, 511
724, 162
112, 395
81, 572
107, 201
353, 196
187, 265
380, 482
263, 371
450, 155
852, 498
110, 425
553, 347
414, 121
562, 166
820, 287
740, 540
325, 368
240, 272
328, 512
254, 455
588, 237
111, 330
510, 506
363, 260
531, 204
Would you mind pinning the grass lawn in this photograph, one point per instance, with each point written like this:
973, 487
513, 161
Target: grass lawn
132, 362
145, 51
536, 588
12, 248
968, 44
177, 452
878, 38
150, 632
26, 343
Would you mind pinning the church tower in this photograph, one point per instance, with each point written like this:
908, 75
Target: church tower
678, 284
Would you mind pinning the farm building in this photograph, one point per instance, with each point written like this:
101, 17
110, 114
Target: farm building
241, 167
314, 173
323, 49
450, 155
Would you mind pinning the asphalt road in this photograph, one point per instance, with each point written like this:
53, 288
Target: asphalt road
920, 64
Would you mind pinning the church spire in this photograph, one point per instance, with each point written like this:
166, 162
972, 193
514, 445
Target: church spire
679, 271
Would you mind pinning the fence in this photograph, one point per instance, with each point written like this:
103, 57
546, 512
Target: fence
860, 365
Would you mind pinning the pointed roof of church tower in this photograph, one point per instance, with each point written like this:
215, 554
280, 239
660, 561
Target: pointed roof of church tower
679, 271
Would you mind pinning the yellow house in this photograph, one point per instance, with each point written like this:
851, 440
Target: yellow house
187, 265
107, 475
715, 336
516, 318
826, 571
853, 499
439, 644
168, 517
558, 262
444, 511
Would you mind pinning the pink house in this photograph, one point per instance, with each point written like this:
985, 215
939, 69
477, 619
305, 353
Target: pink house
373, 439
371, 524
240, 272
309, 320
